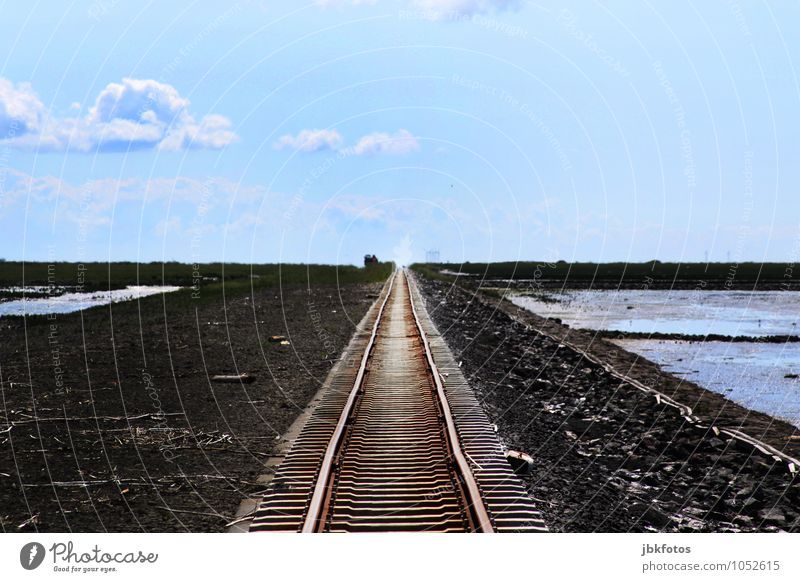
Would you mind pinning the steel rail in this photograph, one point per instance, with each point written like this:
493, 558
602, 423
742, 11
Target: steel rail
474, 500
394, 445
314, 520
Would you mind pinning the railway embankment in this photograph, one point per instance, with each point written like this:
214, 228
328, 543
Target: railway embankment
397, 442
609, 455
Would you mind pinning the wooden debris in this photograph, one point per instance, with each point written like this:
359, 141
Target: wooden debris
33, 520
152, 416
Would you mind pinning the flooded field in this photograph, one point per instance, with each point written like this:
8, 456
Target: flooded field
731, 313
758, 375
63, 300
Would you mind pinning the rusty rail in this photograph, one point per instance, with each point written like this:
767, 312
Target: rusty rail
398, 443
480, 517
321, 495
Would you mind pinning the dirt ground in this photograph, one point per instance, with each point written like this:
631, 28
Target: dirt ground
109, 420
608, 457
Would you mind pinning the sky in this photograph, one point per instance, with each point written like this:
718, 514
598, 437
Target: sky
489, 130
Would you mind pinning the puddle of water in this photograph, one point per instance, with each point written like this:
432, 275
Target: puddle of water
69, 302
8, 293
35, 289
753, 375
731, 313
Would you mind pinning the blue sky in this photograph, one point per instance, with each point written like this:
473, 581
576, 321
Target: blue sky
265, 131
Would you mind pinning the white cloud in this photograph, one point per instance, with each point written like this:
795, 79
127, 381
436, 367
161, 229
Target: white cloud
399, 143
311, 140
327, 3
354, 207
131, 115
314, 140
437, 9
213, 132
445, 8
138, 100
20, 109
95, 199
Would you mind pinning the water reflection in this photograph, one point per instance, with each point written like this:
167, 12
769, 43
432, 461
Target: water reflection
731, 313
72, 301
760, 376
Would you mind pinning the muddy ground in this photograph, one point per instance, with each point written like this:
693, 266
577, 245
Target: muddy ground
109, 422
620, 281
608, 457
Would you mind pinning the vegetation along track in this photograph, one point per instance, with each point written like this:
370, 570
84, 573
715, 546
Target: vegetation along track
398, 441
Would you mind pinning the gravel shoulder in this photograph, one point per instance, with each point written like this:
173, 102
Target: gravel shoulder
109, 420
608, 456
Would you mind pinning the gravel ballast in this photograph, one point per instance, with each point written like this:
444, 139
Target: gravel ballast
608, 456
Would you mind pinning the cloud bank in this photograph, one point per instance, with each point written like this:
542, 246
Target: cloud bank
444, 8
399, 143
464, 7
310, 140
313, 140
92, 202
132, 115
20, 109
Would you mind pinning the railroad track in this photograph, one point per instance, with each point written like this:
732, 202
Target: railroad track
398, 441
